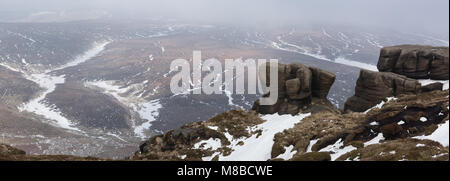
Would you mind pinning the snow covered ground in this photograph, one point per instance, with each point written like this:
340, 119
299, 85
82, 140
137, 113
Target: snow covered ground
285, 46
288, 154
337, 149
440, 135
40, 107
131, 96
148, 111
91, 53
257, 148
49, 82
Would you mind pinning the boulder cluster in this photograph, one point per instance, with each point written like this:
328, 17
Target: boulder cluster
399, 68
297, 86
415, 61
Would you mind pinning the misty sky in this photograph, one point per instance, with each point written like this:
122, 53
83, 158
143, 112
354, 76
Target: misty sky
427, 15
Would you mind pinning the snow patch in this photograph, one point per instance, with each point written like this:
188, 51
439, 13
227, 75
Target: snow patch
211, 143
344, 61
337, 149
288, 154
260, 148
373, 123
40, 107
304, 51
439, 135
215, 128
380, 105
375, 140
10, 67
311, 144
420, 145
91, 53
423, 119
148, 111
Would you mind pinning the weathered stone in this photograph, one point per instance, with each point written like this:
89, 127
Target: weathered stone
266, 109
292, 87
321, 82
388, 58
296, 85
440, 64
391, 131
373, 87
432, 87
305, 76
415, 61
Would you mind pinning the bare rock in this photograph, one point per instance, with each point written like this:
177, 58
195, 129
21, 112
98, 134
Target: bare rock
292, 87
373, 87
432, 87
415, 61
322, 82
297, 85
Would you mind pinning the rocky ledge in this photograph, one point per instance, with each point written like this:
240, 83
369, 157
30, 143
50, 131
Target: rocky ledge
415, 61
374, 87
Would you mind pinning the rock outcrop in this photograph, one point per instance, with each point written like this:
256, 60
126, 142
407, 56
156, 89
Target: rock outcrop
414, 61
399, 66
373, 87
399, 125
297, 86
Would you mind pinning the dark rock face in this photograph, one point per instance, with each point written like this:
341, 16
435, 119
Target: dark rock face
322, 82
373, 87
414, 61
432, 87
297, 85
